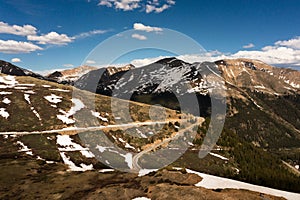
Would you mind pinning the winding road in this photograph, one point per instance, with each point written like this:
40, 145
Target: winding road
136, 167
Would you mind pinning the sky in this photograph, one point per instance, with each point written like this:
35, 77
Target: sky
58, 34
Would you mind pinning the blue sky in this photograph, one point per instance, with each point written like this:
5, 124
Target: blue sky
45, 35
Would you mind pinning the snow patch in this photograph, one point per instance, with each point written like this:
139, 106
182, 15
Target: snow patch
121, 140
214, 182
72, 166
24, 148
106, 170
78, 105
53, 98
144, 172
128, 146
5, 93
21, 88
8, 81
101, 148
97, 114
4, 113
30, 92
6, 100
141, 198
59, 90
27, 98
128, 159
68, 145
25, 85
218, 156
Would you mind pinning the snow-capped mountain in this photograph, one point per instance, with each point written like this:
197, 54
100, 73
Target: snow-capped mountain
68, 76
173, 75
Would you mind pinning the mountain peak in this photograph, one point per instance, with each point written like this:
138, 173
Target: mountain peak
259, 76
171, 62
113, 70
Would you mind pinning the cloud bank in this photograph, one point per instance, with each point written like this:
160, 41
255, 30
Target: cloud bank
33, 40
148, 6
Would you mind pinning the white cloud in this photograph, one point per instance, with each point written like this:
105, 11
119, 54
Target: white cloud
292, 43
68, 65
145, 61
12, 46
148, 6
16, 60
106, 3
51, 38
125, 5
281, 53
90, 62
89, 34
249, 46
153, 8
142, 27
24, 30
138, 36
158, 7
272, 55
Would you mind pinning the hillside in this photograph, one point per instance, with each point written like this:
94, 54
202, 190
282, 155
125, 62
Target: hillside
64, 131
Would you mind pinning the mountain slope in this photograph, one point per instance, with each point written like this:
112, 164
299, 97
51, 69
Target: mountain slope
10, 69
68, 76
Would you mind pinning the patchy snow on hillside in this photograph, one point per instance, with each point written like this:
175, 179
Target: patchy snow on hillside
21, 88
7, 81
144, 172
128, 159
72, 166
97, 114
59, 90
24, 148
101, 148
5, 93
68, 145
78, 105
214, 182
27, 98
25, 84
65, 118
29, 92
218, 156
4, 113
6, 101
106, 170
128, 146
53, 98
141, 198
